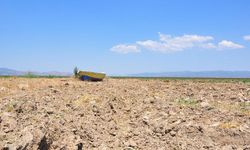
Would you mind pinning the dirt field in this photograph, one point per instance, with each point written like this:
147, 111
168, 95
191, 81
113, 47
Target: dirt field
126, 114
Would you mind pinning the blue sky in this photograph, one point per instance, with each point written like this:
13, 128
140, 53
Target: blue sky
123, 37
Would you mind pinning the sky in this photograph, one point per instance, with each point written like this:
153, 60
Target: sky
125, 36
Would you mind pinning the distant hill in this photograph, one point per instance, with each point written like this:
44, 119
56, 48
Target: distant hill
201, 74
11, 72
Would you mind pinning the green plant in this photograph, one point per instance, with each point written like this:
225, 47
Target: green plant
187, 102
244, 105
30, 75
9, 108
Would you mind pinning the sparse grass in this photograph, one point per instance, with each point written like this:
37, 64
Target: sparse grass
229, 125
187, 102
244, 108
30, 75
9, 108
87, 98
241, 107
213, 80
245, 105
4, 76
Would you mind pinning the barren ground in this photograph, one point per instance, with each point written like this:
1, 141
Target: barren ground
68, 114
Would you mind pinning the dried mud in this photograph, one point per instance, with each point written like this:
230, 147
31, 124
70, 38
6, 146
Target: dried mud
123, 114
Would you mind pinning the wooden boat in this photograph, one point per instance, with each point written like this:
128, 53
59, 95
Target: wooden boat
91, 76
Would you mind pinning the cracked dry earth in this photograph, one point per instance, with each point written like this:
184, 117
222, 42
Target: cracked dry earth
68, 114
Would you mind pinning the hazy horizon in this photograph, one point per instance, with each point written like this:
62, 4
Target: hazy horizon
182, 73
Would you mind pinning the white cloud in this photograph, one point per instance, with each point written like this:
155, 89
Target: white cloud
168, 43
124, 49
229, 45
157, 46
247, 37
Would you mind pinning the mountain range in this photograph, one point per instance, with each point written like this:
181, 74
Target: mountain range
12, 72
201, 74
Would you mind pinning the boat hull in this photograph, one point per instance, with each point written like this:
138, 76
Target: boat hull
91, 76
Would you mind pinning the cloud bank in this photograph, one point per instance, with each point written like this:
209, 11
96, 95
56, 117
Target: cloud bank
168, 43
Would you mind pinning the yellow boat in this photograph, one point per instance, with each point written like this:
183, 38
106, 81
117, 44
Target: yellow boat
91, 76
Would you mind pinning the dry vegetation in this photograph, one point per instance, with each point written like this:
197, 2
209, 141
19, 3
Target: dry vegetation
64, 113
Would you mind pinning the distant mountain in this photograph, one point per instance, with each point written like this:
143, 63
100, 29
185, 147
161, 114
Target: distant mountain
11, 72
201, 74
